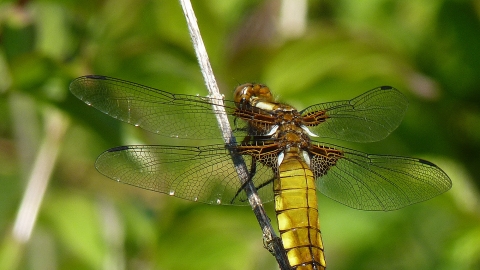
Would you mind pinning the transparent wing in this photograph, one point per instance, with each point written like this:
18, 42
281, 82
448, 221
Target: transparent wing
367, 118
202, 174
163, 113
375, 182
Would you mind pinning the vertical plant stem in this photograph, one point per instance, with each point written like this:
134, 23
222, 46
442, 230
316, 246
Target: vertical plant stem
13, 247
273, 241
39, 176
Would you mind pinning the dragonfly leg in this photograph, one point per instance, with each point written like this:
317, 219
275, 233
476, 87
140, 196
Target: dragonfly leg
253, 170
251, 174
266, 183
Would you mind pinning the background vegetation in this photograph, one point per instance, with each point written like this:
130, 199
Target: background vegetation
428, 49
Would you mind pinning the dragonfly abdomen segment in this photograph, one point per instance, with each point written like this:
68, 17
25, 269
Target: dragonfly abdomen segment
297, 214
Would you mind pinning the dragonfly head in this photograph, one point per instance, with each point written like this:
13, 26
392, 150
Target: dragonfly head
245, 92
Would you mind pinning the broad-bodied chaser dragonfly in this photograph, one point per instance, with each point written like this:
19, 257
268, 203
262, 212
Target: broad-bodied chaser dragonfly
284, 163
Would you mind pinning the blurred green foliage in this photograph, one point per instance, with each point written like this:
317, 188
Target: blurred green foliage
428, 49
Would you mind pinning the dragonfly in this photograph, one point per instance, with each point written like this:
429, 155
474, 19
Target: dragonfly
284, 162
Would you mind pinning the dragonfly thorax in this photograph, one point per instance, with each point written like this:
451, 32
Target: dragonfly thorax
291, 135
279, 122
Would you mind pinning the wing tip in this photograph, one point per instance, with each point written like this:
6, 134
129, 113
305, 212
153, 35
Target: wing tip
386, 87
78, 83
96, 77
426, 162
118, 148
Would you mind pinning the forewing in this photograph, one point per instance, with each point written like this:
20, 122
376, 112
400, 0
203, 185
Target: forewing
163, 113
375, 182
202, 174
367, 118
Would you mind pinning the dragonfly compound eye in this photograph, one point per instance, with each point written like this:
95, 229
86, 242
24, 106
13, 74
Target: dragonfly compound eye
245, 92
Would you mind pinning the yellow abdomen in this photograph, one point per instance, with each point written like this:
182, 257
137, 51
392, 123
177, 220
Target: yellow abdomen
297, 214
